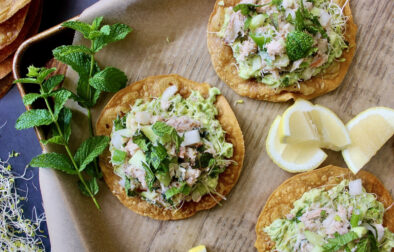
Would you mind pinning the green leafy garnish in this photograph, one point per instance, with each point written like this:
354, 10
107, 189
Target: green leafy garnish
335, 244
120, 123
92, 81
157, 155
246, 8
141, 140
161, 129
149, 176
305, 20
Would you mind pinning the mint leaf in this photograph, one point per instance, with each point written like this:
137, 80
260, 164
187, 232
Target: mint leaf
106, 29
82, 27
52, 82
339, 241
162, 129
157, 155
54, 139
26, 80
33, 71
68, 49
60, 98
79, 61
32, 118
117, 32
127, 186
97, 22
44, 73
120, 123
55, 161
109, 80
89, 150
30, 98
64, 121
139, 139
183, 188
92, 185
96, 95
149, 176
247, 8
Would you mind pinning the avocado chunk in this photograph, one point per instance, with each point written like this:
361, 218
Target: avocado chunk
118, 157
360, 231
314, 238
137, 159
149, 195
163, 177
148, 132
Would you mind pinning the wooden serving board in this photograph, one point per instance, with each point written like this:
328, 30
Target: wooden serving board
146, 52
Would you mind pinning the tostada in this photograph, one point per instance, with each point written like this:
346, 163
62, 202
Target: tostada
328, 209
176, 147
281, 49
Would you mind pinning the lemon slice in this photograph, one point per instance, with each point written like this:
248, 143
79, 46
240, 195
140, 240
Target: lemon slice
313, 124
368, 131
200, 248
296, 157
296, 124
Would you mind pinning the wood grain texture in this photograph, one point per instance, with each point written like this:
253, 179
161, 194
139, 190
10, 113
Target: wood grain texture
146, 52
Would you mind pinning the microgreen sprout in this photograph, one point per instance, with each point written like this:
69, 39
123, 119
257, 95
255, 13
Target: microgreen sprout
17, 233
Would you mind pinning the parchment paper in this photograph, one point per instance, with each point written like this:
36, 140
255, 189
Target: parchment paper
170, 37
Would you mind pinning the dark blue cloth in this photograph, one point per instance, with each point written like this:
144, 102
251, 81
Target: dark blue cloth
25, 142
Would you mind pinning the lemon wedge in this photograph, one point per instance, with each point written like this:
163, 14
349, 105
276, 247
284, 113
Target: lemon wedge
313, 124
368, 131
200, 248
297, 157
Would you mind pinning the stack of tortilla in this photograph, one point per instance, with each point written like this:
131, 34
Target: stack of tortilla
19, 20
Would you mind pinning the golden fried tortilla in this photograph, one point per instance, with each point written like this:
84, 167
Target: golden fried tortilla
6, 67
10, 29
154, 87
225, 64
29, 28
9, 7
281, 200
6, 84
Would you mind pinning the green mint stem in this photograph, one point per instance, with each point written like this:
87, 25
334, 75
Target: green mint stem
89, 111
70, 155
90, 122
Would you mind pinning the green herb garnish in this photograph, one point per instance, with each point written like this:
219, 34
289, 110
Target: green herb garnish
339, 241
58, 118
92, 81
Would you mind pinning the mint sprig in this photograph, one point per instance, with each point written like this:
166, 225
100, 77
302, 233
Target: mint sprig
92, 81
58, 118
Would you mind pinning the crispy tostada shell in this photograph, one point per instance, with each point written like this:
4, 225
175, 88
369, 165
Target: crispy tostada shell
281, 200
153, 87
225, 64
